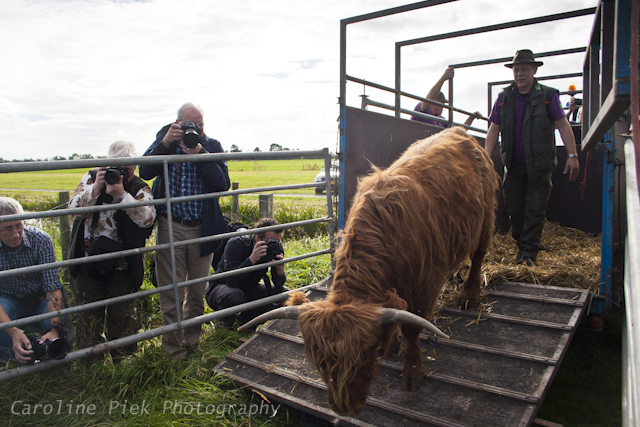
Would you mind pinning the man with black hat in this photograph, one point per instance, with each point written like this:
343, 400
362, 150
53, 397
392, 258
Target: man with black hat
431, 109
526, 114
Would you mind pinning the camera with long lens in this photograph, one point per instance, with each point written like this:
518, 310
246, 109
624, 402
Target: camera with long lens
56, 349
113, 173
191, 136
274, 247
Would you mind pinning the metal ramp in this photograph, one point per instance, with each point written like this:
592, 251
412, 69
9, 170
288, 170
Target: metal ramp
495, 369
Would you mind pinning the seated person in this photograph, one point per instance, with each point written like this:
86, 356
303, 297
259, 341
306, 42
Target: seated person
245, 251
27, 294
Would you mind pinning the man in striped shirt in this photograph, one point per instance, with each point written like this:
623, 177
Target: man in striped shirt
190, 220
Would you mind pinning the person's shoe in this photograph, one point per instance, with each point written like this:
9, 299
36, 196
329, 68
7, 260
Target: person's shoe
526, 260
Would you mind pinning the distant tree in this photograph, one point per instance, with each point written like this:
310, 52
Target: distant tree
58, 158
74, 156
235, 149
86, 156
275, 147
256, 150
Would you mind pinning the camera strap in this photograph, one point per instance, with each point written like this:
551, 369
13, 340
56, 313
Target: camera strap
267, 284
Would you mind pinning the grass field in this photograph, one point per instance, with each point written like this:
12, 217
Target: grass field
248, 174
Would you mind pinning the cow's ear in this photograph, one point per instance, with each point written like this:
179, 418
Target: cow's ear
296, 298
394, 301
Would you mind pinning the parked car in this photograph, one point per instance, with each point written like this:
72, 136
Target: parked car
335, 175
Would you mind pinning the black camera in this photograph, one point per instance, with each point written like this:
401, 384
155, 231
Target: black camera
56, 349
191, 136
274, 247
113, 173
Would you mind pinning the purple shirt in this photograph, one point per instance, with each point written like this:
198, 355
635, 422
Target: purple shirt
554, 112
427, 121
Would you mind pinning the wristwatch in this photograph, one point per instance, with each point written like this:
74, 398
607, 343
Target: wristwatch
573, 155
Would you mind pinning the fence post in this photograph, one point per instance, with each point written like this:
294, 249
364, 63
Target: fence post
266, 205
235, 206
65, 231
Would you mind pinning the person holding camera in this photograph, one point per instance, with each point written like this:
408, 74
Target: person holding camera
245, 251
106, 232
190, 220
28, 294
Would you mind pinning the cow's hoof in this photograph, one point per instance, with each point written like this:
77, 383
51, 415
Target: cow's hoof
468, 303
412, 383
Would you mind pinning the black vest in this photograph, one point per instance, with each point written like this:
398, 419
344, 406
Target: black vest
538, 132
132, 236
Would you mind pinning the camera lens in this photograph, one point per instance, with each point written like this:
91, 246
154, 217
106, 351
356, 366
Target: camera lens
112, 175
191, 138
57, 349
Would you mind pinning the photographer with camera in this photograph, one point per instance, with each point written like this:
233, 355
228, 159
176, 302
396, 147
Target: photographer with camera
245, 251
105, 232
190, 220
28, 294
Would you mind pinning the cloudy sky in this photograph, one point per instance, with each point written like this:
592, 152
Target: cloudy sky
77, 75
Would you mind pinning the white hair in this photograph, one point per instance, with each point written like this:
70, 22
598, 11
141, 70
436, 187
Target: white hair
9, 206
189, 105
122, 149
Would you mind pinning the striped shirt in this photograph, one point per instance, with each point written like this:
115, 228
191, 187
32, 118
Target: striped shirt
184, 181
36, 248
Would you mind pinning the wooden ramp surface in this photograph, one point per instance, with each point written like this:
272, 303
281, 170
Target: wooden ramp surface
494, 371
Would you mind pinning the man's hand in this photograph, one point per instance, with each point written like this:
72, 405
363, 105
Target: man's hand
21, 347
194, 150
49, 336
574, 166
259, 250
175, 133
279, 268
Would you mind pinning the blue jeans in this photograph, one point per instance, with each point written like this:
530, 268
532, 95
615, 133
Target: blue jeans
16, 311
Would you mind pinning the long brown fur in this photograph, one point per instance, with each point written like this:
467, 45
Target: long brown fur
409, 228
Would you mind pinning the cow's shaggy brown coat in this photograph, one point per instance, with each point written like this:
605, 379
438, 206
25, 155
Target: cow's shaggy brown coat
409, 227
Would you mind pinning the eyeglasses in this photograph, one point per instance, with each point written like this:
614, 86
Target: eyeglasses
12, 228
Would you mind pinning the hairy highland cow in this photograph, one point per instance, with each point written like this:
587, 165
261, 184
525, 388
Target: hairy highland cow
409, 228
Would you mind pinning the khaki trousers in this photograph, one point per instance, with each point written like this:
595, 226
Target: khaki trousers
189, 265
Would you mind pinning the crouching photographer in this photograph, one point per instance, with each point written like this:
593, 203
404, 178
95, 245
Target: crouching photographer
28, 294
245, 251
107, 232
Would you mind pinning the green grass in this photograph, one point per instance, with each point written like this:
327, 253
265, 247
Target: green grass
248, 174
47, 180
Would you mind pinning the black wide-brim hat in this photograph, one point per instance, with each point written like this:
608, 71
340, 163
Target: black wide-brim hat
524, 56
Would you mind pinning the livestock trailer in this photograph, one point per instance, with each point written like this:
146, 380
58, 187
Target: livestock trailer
499, 365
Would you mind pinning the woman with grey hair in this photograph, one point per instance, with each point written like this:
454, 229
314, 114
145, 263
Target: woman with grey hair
105, 232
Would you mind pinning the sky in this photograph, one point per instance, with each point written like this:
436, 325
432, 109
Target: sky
78, 75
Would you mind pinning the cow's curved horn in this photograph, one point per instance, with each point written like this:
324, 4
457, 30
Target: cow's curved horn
392, 315
279, 313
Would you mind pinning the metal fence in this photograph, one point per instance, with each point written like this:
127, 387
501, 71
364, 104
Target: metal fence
168, 201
